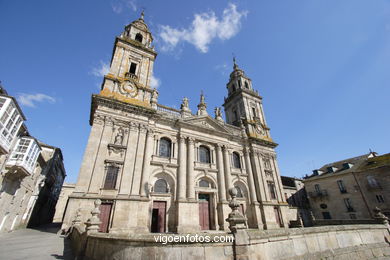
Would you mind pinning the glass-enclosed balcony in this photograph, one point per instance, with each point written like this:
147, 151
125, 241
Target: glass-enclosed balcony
11, 118
24, 156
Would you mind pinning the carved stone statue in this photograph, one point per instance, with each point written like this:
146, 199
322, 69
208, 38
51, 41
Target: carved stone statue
184, 104
218, 114
119, 137
202, 106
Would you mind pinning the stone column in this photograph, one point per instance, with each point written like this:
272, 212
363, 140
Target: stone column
146, 163
256, 170
251, 181
221, 175
228, 176
181, 176
190, 170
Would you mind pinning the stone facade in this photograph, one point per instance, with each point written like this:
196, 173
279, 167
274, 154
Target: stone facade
159, 169
66, 190
24, 166
295, 195
351, 188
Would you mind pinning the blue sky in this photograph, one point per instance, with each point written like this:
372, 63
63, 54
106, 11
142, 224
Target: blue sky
322, 67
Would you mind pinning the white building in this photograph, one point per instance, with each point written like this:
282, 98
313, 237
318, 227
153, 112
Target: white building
21, 165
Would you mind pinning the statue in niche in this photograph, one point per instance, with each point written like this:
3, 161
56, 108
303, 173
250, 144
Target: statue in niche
119, 137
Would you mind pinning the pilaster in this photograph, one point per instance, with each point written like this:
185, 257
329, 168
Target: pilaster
190, 170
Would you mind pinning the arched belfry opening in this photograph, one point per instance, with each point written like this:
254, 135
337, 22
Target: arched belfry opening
138, 37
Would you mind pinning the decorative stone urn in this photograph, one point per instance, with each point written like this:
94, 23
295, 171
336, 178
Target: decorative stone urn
94, 222
236, 219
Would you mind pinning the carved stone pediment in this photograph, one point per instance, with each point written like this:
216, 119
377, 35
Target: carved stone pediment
207, 123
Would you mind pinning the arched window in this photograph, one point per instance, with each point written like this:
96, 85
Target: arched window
234, 87
165, 147
204, 184
246, 85
204, 154
160, 186
138, 37
239, 192
236, 160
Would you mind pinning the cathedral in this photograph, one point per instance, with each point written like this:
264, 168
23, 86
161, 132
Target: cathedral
160, 169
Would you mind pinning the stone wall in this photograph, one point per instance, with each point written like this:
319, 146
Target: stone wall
328, 242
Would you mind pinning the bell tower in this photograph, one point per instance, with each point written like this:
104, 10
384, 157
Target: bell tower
243, 105
131, 67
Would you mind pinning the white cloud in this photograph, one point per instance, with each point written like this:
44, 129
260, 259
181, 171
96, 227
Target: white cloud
102, 70
155, 82
223, 68
118, 5
30, 100
204, 29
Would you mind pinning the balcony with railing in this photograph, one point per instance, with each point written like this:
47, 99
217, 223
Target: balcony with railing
11, 119
318, 194
23, 158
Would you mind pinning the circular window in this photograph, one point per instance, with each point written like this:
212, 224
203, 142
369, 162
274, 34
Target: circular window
323, 206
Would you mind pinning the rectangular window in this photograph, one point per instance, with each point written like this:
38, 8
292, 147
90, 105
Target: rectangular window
133, 68
317, 188
348, 204
352, 216
326, 215
271, 188
254, 112
380, 198
342, 188
111, 176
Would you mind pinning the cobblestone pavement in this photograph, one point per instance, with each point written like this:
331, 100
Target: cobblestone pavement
42, 243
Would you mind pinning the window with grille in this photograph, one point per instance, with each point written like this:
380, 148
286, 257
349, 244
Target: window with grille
111, 177
342, 188
380, 198
165, 147
204, 154
271, 188
204, 184
160, 186
239, 192
348, 204
236, 160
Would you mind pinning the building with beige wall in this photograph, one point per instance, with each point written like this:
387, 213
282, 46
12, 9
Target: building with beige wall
160, 169
23, 166
66, 190
351, 188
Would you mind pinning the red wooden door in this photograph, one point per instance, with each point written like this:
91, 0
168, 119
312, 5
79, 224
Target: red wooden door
158, 216
104, 216
204, 211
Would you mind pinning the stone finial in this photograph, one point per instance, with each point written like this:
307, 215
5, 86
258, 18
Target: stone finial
77, 219
380, 216
236, 219
94, 222
202, 106
218, 114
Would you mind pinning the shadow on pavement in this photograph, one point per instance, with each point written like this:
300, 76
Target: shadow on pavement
49, 228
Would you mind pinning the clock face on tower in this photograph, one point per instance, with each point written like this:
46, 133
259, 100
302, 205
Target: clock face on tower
129, 89
259, 129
